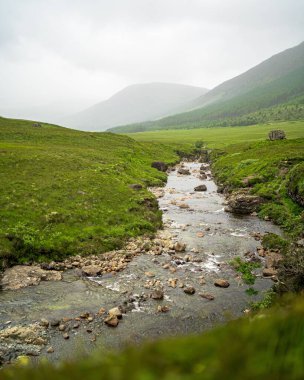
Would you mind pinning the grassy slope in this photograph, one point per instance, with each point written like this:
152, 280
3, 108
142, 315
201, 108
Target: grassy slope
220, 137
270, 346
267, 102
66, 191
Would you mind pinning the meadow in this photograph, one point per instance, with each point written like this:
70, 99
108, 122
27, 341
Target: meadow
65, 192
220, 137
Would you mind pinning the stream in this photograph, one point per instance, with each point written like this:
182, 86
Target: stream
212, 236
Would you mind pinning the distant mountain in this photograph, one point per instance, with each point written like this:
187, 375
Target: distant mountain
262, 90
136, 103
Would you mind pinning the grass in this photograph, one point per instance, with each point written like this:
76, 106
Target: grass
66, 192
219, 137
266, 346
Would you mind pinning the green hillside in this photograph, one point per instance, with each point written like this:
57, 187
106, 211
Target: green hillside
257, 96
65, 191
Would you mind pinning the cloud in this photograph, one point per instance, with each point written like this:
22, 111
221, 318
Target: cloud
70, 50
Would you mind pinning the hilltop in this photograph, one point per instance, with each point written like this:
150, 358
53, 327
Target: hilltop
136, 103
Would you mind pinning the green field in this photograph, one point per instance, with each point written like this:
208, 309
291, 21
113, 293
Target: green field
66, 192
221, 136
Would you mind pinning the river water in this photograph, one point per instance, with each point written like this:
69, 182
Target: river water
213, 237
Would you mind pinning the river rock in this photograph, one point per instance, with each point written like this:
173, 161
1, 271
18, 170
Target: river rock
111, 321
221, 283
276, 134
50, 350
203, 176
207, 296
159, 165
183, 171
116, 312
243, 203
189, 290
157, 294
179, 246
44, 322
162, 308
91, 270
269, 272
200, 188
21, 276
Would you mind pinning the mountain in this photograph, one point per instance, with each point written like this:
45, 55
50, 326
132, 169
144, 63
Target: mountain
136, 103
264, 92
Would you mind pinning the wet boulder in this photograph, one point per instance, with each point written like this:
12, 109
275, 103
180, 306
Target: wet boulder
159, 165
221, 283
189, 290
179, 247
21, 276
183, 171
91, 270
243, 203
200, 188
276, 134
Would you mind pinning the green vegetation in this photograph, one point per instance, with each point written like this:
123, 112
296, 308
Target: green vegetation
66, 192
216, 138
274, 241
269, 92
246, 268
263, 168
268, 346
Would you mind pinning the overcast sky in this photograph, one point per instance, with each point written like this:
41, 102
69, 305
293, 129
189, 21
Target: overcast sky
80, 52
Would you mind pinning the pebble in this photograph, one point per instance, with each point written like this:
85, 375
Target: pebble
189, 290
50, 350
66, 336
207, 296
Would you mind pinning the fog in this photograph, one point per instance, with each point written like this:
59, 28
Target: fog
60, 56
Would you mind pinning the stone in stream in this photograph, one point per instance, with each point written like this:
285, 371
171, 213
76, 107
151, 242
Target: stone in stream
200, 188
111, 321
159, 165
149, 274
157, 294
203, 176
183, 171
240, 202
61, 327
44, 322
21, 276
91, 270
269, 272
207, 296
50, 350
163, 309
179, 246
66, 336
54, 322
189, 290
116, 312
221, 283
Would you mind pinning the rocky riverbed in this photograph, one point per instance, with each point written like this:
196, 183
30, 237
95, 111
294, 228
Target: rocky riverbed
180, 282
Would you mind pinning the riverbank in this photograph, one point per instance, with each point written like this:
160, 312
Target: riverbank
178, 283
